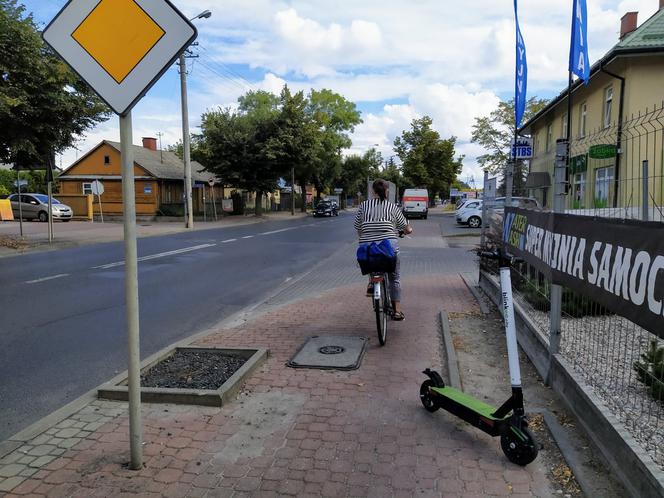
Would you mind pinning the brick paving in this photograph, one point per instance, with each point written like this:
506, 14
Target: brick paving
292, 432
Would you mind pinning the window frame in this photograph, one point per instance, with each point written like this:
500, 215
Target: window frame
563, 126
608, 106
549, 136
107, 160
88, 188
583, 119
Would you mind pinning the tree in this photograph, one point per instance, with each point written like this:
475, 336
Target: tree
44, 106
495, 134
428, 161
296, 143
335, 118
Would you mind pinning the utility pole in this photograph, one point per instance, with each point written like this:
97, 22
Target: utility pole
292, 206
186, 152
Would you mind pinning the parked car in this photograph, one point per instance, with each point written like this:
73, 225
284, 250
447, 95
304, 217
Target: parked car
470, 214
35, 207
326, 208
416, 203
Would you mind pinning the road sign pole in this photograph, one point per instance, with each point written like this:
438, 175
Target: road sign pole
50, 212
20, 203
131, 292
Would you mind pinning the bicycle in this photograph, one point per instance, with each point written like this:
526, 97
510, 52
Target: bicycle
382, 301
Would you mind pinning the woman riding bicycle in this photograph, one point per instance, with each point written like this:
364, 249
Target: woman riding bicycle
378, 219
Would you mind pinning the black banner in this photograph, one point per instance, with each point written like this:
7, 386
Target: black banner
617, 263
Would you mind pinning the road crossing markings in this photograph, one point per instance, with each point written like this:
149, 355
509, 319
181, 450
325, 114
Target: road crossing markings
53, 277
156, 256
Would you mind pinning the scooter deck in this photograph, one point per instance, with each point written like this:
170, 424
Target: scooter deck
468, 401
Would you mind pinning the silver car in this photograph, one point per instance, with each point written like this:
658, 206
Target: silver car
35, 207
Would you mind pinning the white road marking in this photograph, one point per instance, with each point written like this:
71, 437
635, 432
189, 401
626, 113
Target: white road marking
227, 241
279, 231
248, 237
47, 278
288, 279
155, 256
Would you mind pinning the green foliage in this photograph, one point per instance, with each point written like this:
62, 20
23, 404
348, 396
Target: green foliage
428, 161
44, 106
600, 203
650, 370
495, 133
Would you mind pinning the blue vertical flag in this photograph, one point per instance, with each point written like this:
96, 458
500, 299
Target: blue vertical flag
578, 50
521, 78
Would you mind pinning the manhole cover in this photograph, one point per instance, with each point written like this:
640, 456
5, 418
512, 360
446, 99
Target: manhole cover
331, 350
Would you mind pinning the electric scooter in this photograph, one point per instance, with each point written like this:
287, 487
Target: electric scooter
509, 421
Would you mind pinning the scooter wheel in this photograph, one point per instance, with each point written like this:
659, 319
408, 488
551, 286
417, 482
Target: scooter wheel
519, 446
428, 401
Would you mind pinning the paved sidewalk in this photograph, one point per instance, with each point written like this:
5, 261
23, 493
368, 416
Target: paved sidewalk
292, 432
76, 233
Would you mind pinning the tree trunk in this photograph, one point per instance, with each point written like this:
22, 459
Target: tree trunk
303, 186
259, 203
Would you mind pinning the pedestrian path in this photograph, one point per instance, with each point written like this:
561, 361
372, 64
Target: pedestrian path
292, 432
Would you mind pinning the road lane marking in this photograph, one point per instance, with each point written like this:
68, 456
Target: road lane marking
47, 278
248, 237
227, 241
279, 231
155, 256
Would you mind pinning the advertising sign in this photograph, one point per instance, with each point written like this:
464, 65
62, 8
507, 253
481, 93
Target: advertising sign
617, 263
523, 148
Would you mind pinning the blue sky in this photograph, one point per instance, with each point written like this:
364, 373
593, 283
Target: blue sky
397, 60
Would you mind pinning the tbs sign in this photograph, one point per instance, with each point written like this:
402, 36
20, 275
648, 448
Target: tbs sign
523, 148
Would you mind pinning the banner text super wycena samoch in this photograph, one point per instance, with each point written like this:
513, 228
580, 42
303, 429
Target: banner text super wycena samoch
616, 263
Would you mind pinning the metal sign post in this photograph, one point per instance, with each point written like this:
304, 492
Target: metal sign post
50, 212
147, 37
214, 206
131, 291
97, 189
20, 201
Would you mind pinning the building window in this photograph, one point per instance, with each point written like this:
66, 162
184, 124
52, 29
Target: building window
608, 104
583, 112
107, 159
579, 199
549, 137
87, 188
603, 181
563, 126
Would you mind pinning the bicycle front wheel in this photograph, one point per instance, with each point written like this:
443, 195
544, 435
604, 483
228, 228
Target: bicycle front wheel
381, 314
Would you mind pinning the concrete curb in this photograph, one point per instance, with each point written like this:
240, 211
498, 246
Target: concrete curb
474, 290
453, 375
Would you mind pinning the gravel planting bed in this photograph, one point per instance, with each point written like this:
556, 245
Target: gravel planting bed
603, 350
186, 369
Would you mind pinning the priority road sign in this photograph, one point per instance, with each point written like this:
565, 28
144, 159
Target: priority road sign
119, 47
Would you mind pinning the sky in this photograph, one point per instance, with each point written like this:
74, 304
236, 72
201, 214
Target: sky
397, 60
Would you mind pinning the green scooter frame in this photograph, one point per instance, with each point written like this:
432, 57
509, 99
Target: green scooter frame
509, 421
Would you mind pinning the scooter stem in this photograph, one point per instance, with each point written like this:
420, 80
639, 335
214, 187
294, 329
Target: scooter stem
510, 325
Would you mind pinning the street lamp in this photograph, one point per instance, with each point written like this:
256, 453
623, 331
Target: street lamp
186, 146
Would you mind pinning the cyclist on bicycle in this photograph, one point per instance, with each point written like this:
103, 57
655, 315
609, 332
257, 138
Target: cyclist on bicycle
378, 219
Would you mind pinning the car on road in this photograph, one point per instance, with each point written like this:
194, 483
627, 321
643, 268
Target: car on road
326, 208
415, 203
35, 207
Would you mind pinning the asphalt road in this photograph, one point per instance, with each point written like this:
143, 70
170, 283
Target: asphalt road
62, 313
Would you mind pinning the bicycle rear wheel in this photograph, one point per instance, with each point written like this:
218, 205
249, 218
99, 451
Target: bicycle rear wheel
381, 314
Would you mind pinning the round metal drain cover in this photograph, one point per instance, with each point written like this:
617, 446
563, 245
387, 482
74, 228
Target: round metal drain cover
331, 350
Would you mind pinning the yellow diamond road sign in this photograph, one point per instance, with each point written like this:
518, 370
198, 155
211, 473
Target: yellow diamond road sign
120, 47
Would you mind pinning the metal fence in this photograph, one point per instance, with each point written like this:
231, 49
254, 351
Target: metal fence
620, 361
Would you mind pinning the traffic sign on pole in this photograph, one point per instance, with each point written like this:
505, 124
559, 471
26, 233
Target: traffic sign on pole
119, 47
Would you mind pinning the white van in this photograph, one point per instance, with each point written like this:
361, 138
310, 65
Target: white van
416, 203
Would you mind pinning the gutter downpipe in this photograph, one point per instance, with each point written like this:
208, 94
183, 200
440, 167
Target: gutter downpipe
616, 180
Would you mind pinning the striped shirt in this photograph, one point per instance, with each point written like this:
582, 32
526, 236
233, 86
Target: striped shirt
379, 220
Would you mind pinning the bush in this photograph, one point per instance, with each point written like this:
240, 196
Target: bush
650, 370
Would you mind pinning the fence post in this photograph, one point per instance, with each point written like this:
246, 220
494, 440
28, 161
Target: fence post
485, 221
559, 189
644, 192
